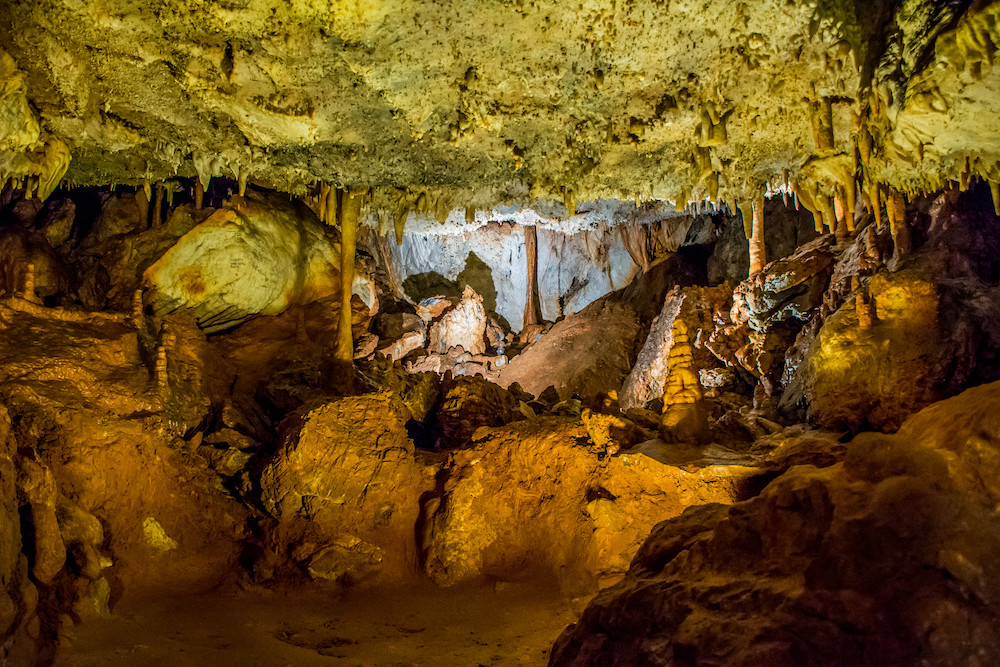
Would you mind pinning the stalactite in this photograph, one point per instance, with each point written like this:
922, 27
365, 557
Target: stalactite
876, 204
324, 191
348, 240
822, 118
334, 198
532, 312
995, 192
757, 251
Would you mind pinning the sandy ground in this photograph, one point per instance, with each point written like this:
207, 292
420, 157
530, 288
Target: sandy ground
504, 624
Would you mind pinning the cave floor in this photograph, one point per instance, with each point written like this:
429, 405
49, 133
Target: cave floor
503, 624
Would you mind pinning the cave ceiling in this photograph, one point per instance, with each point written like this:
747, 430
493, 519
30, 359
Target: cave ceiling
477, 103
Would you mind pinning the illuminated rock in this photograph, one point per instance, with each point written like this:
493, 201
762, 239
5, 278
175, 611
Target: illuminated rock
461, 326
535, 495
467, 403
346, 470
693, 305
890, 557
255, 256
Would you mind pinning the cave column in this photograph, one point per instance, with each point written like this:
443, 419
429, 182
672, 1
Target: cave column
348, 240
532, 310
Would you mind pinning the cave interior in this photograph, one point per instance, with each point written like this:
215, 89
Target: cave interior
410, 332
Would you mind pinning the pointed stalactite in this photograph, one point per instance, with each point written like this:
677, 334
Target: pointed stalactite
158, 206
995, 192
895, 208
324, 191
199, 194
532, 311
241, 181
348, 239
840, 220
334, 199
758, 256
876, 203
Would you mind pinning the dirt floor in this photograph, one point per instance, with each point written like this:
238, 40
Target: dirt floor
501, 624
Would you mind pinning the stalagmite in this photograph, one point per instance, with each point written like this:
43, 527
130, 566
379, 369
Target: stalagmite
28, 292
757, 252
684, 418
167, 340
863, 307
199, 194
532, 310
348, 239
137, 318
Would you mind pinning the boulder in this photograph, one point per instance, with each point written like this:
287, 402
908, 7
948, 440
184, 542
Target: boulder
257, 255
889, 557
345, 486
468, 403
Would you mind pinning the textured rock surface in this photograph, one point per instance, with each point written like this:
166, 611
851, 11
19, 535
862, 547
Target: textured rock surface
462, 326
255, 256
695, 306
506, 496
409, 95
887, 558
345, 487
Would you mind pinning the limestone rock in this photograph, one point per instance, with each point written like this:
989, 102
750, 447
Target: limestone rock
695, 306
890, 557
432, 307
531, 494
402, 346
462, 326
392, 326
583, 354
881, 374
345, 470
469, 402
257, 255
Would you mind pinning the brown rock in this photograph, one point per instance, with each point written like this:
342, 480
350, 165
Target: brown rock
346, 471
469, 402
532, 494
890, 557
